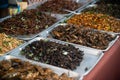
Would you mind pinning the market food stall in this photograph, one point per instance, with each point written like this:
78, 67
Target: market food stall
78, 42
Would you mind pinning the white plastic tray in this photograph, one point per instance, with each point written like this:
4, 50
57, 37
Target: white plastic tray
31, 36
83, 2
57, 70
90, 58
47, 33
95, 5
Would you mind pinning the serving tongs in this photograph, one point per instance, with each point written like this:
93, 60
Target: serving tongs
74, 12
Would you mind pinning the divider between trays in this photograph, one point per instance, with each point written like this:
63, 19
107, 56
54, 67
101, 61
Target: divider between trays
89, 60
55, 69
49, 28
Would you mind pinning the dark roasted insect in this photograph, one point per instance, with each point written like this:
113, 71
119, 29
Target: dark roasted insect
58, 6
65, 56
15, 69
82, 35
28, 22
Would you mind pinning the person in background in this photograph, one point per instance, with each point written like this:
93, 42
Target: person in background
4, 8
9, 7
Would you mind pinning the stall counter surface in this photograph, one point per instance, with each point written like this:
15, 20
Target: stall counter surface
108, 66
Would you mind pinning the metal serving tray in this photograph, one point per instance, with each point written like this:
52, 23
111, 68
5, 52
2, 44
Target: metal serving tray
57, 70
31, 36
95, 5
83, 3
47, 34
90, 59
